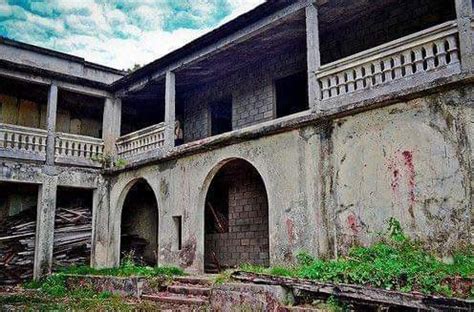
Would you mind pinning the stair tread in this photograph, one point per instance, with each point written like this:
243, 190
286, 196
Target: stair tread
194, 280
196, 290
175, 298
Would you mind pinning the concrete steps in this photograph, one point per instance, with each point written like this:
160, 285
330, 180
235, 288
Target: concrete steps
187, 291
176, 299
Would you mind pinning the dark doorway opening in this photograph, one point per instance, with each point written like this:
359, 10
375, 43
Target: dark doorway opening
139, 231
236, 218
291, 94
221, 116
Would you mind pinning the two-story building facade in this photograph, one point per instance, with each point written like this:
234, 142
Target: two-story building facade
298, 126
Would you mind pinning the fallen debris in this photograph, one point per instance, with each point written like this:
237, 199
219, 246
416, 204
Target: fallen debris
72, 242
359, 294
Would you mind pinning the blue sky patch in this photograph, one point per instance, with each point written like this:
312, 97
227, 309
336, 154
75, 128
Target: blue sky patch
118, 33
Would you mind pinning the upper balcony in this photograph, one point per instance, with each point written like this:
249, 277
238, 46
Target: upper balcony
24, 119
303, 59
308, 59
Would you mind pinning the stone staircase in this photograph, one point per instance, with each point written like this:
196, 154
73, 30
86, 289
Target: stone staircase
190, 293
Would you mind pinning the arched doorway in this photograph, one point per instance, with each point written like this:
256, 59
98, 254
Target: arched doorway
139, 225
236, 218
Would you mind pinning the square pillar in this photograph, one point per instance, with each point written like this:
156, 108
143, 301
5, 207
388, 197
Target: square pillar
51, 123
111, 124
101, 243
313, 55
45, 227
170, 109
466, 48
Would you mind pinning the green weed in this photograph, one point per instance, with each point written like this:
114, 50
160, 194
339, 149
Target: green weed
397, 264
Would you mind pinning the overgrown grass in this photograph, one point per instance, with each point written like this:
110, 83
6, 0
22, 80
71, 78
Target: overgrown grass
55, 285
396, 264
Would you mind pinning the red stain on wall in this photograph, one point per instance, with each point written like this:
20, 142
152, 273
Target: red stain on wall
352, 223
290, 229
402, 168
410, 167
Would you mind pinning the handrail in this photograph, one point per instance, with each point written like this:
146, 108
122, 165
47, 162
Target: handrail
389, 48
140, 133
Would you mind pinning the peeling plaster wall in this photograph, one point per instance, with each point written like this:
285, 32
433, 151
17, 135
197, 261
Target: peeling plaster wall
329, 185
288, 166
409, 161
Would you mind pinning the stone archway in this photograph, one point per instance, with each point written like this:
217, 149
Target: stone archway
139, 224
236, 218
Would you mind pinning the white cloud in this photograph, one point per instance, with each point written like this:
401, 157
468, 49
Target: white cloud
116, 33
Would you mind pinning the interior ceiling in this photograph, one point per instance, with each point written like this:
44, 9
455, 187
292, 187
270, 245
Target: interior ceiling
335, 13
289, 34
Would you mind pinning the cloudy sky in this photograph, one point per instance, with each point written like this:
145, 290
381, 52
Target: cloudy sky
117, 33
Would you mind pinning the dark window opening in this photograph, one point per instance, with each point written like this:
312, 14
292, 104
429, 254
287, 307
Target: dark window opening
178, 223
291, 94
221, 116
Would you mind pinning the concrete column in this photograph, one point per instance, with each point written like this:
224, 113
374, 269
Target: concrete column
111, 124
45, 227
170, 110
101, 220
464, 15
313, 55
51, 123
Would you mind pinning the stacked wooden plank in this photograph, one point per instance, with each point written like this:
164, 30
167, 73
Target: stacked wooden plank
72, 236
72, 242
17, 247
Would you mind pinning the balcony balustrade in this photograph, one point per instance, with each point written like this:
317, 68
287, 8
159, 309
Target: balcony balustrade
417, 58
142, 142
22, 142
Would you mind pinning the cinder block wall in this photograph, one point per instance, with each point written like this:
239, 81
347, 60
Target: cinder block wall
252, 94
400, 18
247, 239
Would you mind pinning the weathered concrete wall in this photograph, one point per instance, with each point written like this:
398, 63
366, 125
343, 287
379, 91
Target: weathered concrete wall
288, 165
330, 185
407, 161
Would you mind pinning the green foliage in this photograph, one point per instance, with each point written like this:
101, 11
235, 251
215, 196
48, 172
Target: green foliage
120, 163
223, 277
398, 264
127, 268
335, 305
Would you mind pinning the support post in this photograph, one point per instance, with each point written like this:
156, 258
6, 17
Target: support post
51, 123
170, 110
111, 124
464, 15
45, 227
313, 55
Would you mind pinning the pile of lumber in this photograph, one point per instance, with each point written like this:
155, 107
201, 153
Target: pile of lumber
72, 242
17, 247
72, 236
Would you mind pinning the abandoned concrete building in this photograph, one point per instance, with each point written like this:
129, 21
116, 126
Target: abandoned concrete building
298, 126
